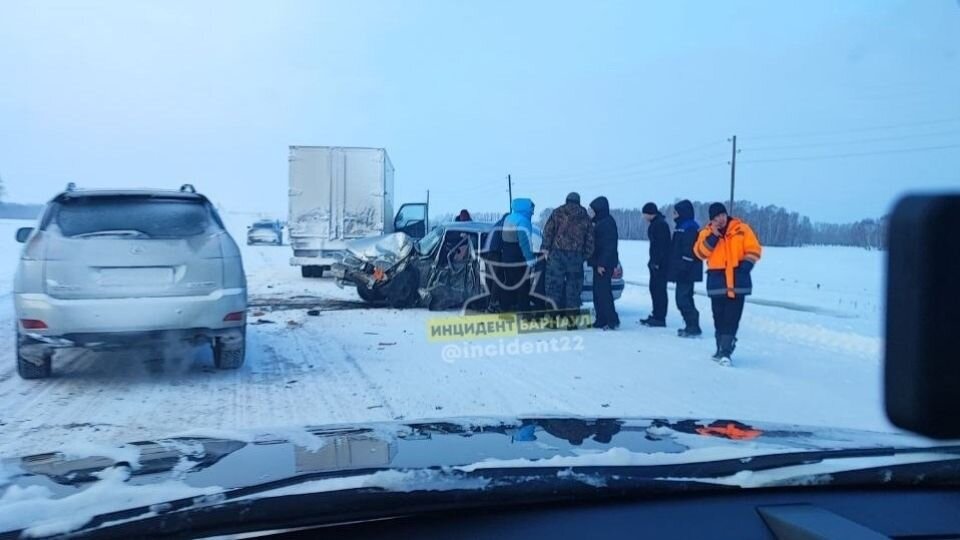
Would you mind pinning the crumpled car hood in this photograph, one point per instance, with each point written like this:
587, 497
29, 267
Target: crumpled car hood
390, 248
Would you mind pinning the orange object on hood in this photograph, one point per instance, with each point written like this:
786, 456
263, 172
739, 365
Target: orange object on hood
730, 430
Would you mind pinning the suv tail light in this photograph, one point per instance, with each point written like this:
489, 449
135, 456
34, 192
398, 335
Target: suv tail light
33, 324
236, 316
618, 272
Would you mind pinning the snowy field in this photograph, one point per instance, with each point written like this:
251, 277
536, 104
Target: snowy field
809, 353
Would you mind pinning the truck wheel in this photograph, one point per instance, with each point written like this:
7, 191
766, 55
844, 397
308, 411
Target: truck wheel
369, 295
229, 356
29, 370
402, 292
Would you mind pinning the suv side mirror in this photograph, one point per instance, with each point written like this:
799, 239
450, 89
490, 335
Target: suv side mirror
922, 374
23, 233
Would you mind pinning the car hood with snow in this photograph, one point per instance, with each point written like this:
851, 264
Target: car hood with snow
231, 481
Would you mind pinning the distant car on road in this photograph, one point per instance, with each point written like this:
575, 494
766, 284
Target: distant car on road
106, 268
265, 231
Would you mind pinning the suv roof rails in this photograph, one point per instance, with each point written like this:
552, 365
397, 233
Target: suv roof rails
188, 188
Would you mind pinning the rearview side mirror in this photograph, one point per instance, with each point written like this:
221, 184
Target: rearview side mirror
23, 233
921, 371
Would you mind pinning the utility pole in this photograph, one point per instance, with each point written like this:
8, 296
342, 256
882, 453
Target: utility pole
733, 173
509, 193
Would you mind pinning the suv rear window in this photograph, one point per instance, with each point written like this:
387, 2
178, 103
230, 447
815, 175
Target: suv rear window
151, 217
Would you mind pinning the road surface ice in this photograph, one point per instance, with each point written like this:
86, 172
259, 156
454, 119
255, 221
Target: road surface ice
809, 353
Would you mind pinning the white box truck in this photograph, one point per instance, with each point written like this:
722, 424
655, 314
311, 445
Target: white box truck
339, 194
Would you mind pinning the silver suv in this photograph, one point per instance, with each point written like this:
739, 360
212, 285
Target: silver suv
128, 268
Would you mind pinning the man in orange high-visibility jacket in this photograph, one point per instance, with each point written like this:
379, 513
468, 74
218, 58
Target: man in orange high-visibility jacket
730, 249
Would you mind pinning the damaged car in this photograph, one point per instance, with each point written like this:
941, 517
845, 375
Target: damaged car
443, 270
439, 271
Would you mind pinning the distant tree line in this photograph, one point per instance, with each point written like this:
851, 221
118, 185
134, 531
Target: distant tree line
20, 211
775, 225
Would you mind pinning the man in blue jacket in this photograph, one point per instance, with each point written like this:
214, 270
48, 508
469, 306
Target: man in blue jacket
685, 268
517, 255
604, 260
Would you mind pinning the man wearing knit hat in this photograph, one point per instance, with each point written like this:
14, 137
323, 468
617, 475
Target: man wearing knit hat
730, 249
568, 242
658, 232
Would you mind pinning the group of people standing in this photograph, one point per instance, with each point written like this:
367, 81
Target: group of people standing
574, 235
550, 276
728, 246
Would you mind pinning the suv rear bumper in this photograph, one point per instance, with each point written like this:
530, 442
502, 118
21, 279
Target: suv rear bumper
130, 315
125, 340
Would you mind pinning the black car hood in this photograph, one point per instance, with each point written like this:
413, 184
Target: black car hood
462, 453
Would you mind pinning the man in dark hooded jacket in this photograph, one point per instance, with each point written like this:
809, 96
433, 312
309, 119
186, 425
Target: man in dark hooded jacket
685, 269
659, 234
604, 260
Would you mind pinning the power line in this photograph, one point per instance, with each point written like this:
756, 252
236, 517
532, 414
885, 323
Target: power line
624, 174
659, 176
858, 141
855, 154
640, 163
854, 130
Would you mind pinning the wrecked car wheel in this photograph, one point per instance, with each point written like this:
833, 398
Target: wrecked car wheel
369, 295
39, 363
311, 271
402, 292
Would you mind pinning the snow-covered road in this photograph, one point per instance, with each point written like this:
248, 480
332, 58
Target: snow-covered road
818, 367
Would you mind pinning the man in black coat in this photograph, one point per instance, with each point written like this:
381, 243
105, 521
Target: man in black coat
604, 260
685, 269
492, 252
659, 234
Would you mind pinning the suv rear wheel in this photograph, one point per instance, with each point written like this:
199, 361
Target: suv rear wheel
28, 369
229, 354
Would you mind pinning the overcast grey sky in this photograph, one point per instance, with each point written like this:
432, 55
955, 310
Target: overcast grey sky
838, 105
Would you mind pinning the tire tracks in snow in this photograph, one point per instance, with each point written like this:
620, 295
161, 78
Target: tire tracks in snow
816, 336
